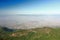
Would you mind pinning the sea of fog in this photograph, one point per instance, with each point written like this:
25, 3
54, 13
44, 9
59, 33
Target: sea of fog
26, 22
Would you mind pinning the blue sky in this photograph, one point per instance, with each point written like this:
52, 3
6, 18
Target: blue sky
30, 7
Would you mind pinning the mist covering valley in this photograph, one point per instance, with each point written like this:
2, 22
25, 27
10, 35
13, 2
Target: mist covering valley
31, 21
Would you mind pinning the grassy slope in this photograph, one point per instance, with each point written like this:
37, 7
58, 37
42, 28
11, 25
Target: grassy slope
32, 34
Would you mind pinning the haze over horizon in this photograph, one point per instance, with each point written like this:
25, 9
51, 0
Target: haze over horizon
29, 13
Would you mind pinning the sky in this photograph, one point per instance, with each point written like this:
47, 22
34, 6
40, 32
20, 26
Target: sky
29, 7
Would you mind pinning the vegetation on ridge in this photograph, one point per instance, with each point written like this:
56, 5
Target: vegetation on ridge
45, 33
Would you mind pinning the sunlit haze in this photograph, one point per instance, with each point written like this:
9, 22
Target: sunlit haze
29, 13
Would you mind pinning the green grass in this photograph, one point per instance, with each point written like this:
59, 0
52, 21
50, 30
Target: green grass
45, 33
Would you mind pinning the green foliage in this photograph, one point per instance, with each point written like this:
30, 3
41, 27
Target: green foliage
45, 33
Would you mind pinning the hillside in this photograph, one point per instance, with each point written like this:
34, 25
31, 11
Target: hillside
44, 33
